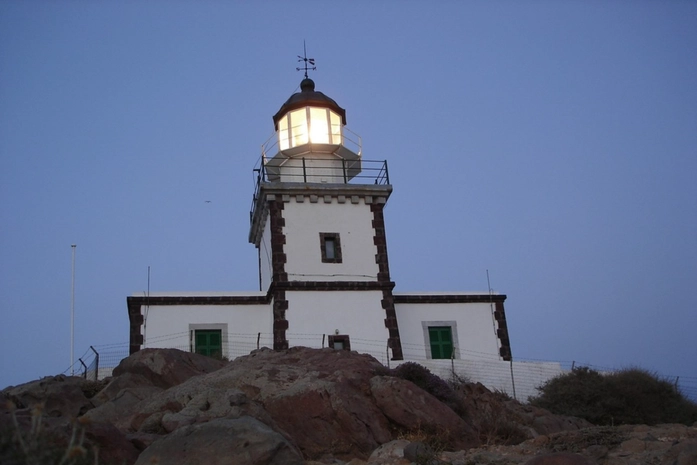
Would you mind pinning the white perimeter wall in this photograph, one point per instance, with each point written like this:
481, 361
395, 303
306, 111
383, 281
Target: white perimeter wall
521, 383
167, 326
303, 223
476, 331
357, 314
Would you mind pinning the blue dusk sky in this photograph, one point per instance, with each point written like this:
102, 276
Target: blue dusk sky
551, 143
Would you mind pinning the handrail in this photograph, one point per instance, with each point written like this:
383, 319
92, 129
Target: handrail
364, 172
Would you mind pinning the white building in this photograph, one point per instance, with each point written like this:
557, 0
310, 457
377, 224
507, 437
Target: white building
324, 276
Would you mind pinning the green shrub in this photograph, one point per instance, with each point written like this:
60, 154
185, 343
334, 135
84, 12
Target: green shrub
629, 396
422, 377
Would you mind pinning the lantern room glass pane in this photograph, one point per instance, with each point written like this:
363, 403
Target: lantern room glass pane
335, 128
298, 127
319, 126
283, 138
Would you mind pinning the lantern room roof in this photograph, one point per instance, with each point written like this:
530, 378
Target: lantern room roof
308, 97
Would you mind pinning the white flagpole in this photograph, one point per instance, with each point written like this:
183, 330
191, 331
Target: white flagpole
72, 316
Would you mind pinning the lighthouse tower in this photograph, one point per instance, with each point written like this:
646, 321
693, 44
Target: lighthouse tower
317, 222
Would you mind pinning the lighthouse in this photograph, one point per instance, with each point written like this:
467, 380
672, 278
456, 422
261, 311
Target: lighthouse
317, 221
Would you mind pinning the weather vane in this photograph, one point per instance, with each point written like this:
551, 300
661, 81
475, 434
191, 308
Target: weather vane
309, 62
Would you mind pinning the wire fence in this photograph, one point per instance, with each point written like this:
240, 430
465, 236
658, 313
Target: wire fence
520, 378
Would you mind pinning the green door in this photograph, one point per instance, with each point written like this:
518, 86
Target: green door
209, 342
441, 339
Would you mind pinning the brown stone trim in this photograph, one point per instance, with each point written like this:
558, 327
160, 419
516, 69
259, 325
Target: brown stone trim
198, 300
278, 240
332, 286
279, 275
394, 341
135, 320
500, 316
380, 242
448, 298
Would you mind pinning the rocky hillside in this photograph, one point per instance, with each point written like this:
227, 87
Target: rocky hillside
300, 406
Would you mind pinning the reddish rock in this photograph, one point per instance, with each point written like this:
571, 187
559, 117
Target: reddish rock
165, 368
410, 407
242, 441
391, 450
114, 447
59, 396
118, 410
560, 458
118, 384
326, 400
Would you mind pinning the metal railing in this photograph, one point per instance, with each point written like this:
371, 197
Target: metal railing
320, 171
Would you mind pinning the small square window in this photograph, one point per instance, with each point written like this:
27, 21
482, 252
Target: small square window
330, 246
340, 342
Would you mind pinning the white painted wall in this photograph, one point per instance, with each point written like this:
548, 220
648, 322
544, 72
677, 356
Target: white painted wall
168, 326
358, 314
476, 330
319, 168
303, 223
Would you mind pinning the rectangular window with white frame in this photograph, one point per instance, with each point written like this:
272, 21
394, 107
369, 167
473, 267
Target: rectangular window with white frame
210, 340
441, 339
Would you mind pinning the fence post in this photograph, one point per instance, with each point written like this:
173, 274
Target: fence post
452, 363
343, 167
258, 337
323, 336
304, 171
84, 368
676, 383
513, 380
387, 353
96, 364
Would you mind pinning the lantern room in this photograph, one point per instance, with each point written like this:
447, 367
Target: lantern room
311, 143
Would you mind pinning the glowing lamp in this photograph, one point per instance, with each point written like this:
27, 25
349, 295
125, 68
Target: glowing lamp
311, 140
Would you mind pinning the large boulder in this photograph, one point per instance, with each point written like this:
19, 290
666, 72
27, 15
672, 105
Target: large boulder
560, 458
57, 396
407, 406
141, 376
165, 368
114, 447
329, 402
192, 403
118, 410
224, 441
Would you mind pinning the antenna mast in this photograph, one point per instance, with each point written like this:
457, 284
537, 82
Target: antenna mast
72, 314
